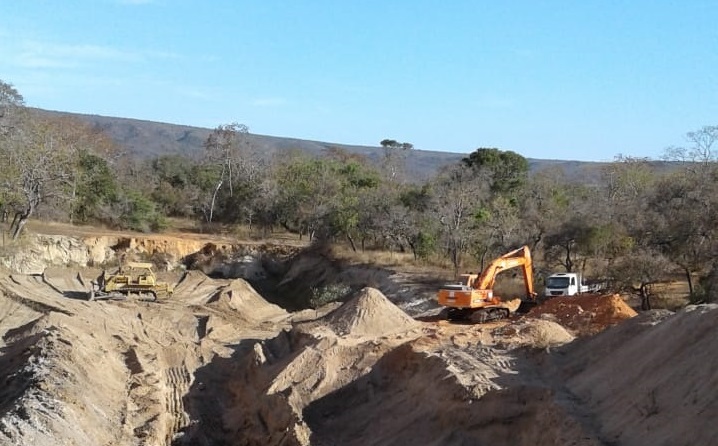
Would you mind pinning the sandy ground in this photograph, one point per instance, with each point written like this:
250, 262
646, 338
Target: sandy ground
217, 364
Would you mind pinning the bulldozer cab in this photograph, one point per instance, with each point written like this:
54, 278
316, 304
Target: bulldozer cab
137, 272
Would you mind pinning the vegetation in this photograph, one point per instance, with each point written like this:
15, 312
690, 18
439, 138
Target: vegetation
636, 226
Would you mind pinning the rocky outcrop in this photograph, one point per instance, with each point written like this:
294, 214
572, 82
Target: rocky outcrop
38, 251
33, 254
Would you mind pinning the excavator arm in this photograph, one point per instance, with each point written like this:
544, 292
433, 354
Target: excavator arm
519, 257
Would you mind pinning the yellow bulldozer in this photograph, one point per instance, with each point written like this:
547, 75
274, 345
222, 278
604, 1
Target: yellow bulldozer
132, 280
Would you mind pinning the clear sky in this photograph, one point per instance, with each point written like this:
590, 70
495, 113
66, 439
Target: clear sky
572, 79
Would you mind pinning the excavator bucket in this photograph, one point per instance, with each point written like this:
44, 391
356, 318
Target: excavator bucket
513, 305
526, 306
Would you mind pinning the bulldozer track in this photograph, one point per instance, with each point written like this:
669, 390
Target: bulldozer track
178, 381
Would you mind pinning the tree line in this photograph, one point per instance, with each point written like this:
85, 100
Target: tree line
637, 225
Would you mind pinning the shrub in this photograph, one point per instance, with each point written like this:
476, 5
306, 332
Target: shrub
323, 295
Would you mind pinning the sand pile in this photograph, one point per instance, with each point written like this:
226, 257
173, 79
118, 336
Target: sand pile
411, 397
239, 296
651, 380
369, 313
584, 314
266, 385
536, 333
197, 288
218, 364
56, 388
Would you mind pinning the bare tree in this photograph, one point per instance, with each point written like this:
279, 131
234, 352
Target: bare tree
684, 206
394, 158
700, 154
221, 148
640, 270
39, 160
459, 192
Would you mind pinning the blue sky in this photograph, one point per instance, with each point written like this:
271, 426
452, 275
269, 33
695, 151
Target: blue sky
582, 80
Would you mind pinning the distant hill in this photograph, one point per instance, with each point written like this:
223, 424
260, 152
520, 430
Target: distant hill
150, 139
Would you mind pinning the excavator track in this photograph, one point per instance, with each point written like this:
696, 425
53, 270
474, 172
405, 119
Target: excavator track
477, 315
484, 315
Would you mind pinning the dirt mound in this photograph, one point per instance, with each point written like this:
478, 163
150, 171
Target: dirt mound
239, 296
78, 372
412, 397
263, 390
51, 392
651, 380
369, 313
585, 314
226, 296
536, 333
197, 288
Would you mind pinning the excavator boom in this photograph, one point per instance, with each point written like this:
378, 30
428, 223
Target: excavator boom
519, 257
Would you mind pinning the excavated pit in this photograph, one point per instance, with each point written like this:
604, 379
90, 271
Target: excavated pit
220, 364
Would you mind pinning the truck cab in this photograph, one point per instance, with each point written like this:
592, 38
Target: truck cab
563, 284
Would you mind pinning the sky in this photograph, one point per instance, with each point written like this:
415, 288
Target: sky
578, 80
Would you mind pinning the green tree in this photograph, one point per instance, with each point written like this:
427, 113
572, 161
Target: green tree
357, 181
96, 188
305, 187
138, 212
11, 102
175, 190
11, 108
411, 220
508, 170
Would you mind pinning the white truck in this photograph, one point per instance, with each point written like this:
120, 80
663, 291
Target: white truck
571, 284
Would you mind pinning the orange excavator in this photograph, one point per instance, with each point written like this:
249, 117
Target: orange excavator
473, 298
